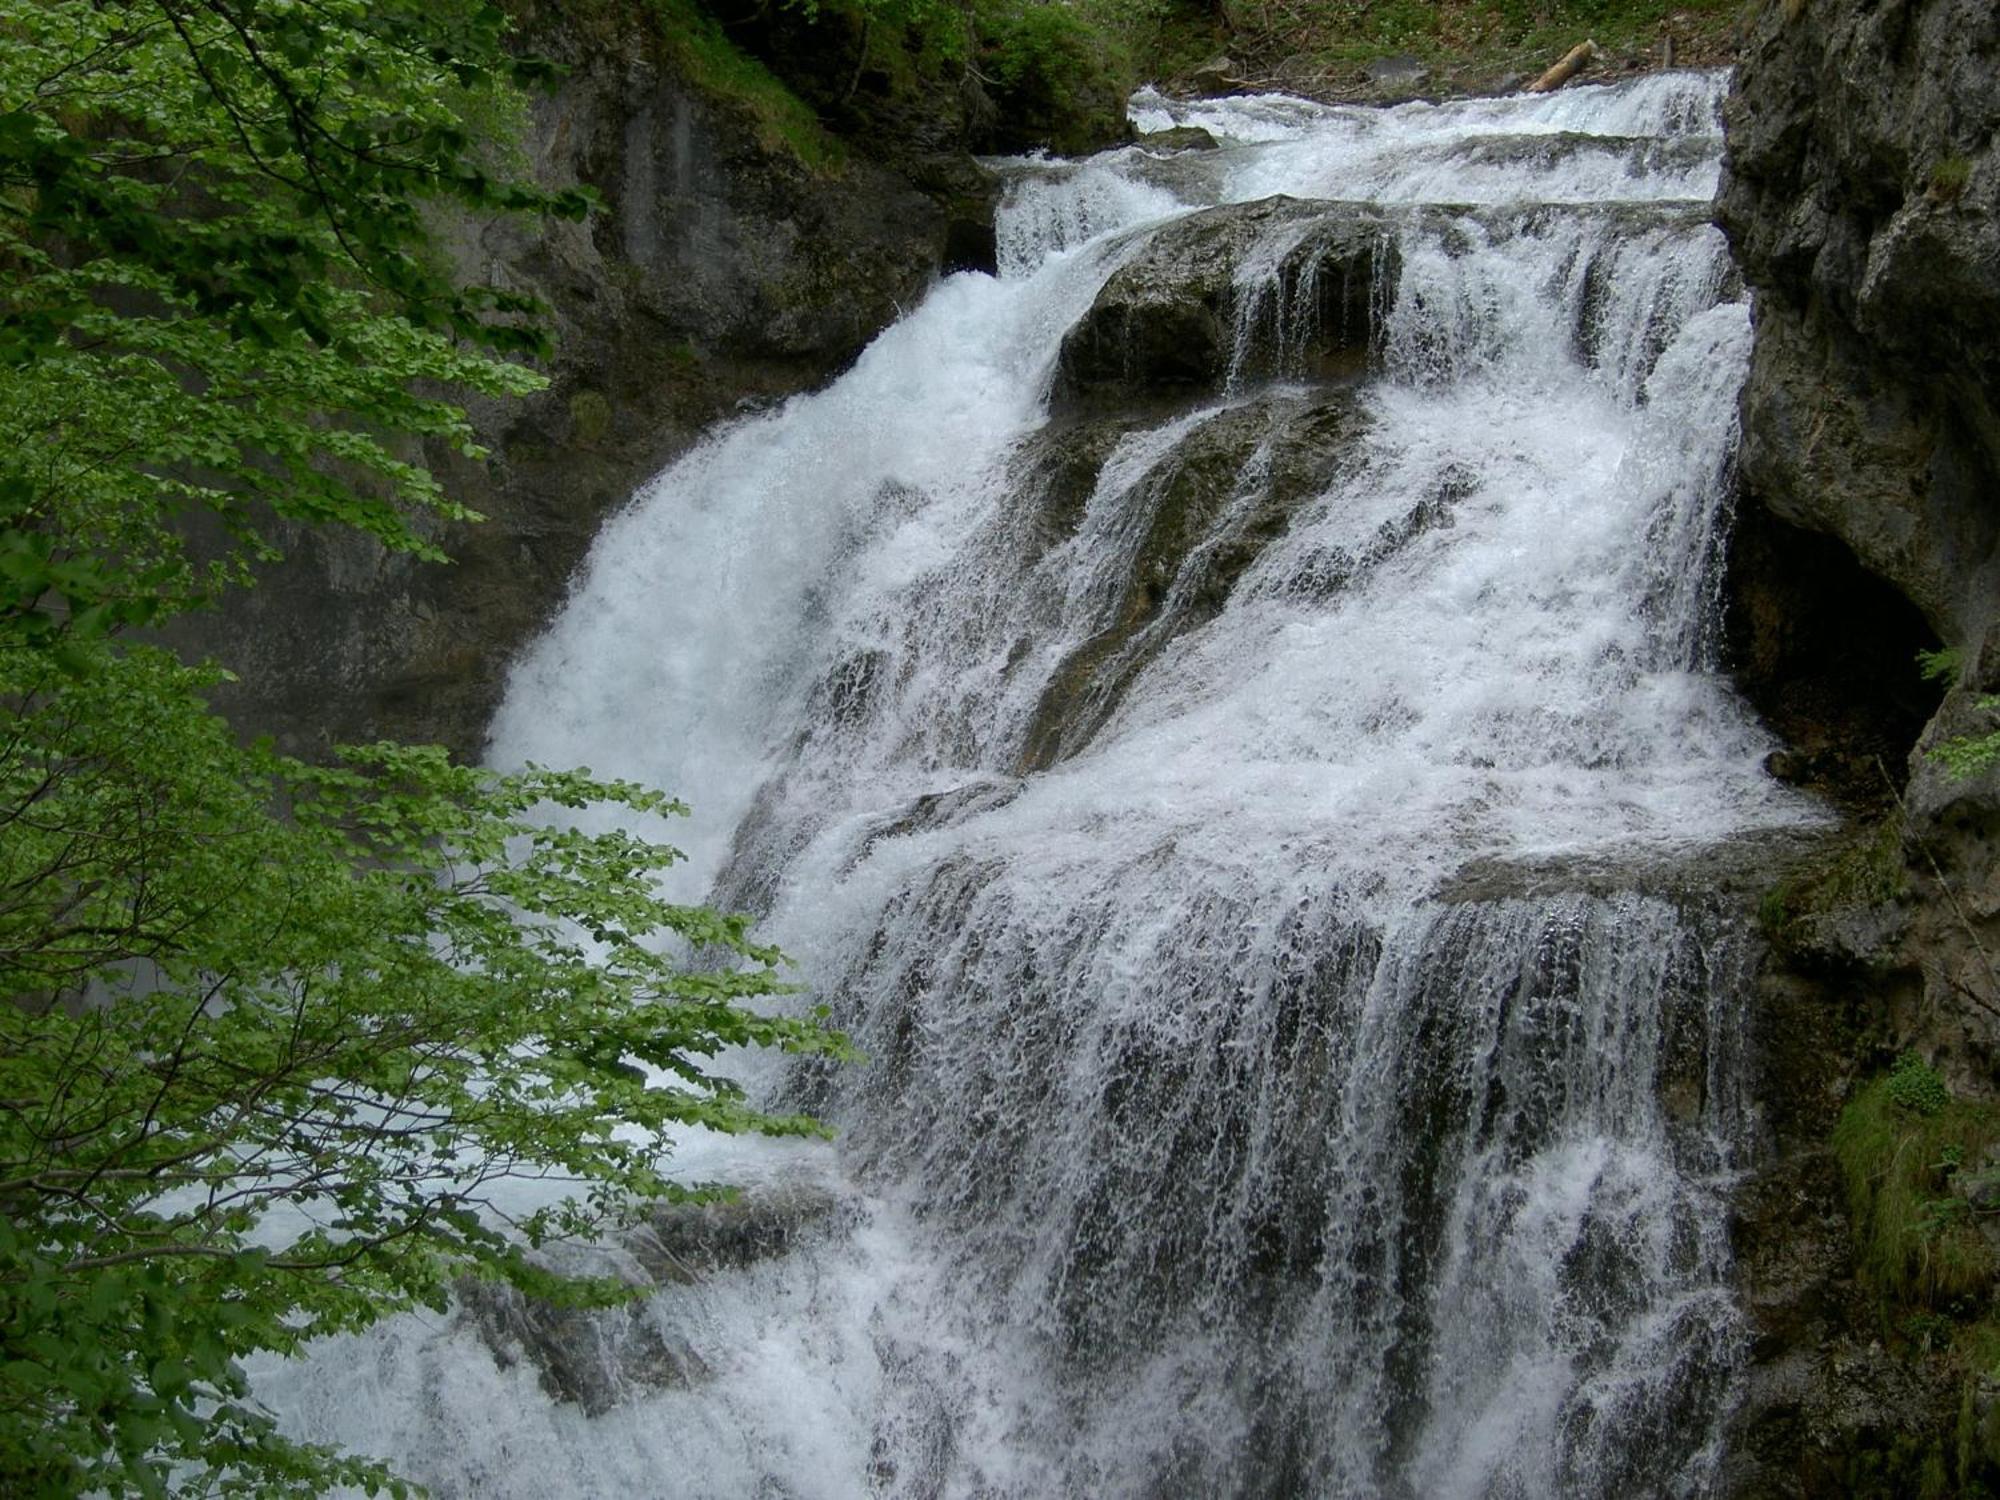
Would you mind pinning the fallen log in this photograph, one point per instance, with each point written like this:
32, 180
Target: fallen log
1574, 62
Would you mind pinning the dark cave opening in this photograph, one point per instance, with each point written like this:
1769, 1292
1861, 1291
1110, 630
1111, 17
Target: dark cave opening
1827, 653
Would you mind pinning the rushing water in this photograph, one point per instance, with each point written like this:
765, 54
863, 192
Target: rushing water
1285, 1080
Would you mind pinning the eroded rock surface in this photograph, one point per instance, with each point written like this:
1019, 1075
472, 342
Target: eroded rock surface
1862, 195
1205, 526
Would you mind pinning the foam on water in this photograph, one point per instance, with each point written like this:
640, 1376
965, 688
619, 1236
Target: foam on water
1234, 1122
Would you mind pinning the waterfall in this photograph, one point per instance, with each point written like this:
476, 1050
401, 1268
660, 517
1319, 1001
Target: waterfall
1248, 803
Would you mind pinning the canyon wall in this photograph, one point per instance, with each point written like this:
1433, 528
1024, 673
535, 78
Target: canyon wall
726, 268
1860, 195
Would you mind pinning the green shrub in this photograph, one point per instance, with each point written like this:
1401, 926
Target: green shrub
1949, 177
1060, 79
1049, 45
1915, 1086
1939, 666
1966, 754
1970, 754
1045, 47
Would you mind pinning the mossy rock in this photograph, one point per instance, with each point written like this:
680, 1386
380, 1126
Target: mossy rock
589, 416
1846, 906
1918, 1163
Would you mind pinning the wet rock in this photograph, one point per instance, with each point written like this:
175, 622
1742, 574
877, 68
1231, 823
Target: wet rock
1193, 175
940, 810
1179, 138
680, 1242
1056, 471
1642, 156
1837, 1425
1219, 75
596, 1358
969, 195
1181, 316
1789, 1228
599, 1358
1737, 867
1324, 571
1203, 531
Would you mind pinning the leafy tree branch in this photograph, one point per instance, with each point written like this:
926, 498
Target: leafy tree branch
284, 1048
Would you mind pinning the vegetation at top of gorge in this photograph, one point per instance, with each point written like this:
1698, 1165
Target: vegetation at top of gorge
1055, 73
822, 77
1469, 43
988, 75
277, 1037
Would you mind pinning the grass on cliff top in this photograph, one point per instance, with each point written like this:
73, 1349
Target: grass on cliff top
718, 66
1318, 45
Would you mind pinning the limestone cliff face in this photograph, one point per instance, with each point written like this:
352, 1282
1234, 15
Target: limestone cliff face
721, 272
1862, 196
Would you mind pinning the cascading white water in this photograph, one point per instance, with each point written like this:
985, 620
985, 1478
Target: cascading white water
1284, 1076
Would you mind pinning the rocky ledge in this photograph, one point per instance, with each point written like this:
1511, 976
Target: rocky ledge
1178, 319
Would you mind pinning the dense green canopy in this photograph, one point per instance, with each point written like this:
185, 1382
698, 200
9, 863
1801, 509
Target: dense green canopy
275, 1032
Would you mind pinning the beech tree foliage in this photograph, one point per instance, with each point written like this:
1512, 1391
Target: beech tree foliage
275, 1033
